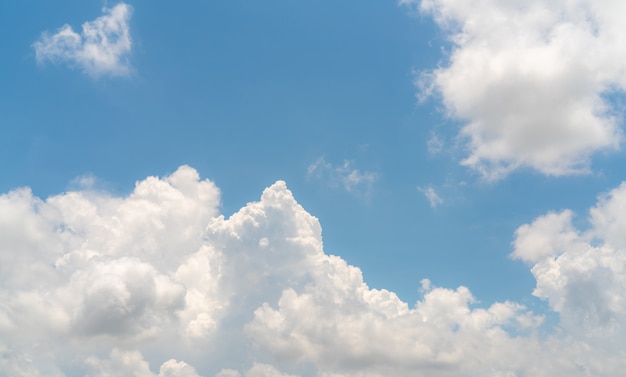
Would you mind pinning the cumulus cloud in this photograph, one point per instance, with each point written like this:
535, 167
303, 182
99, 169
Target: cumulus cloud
102, 47
344, 175
431, 194
529, 79
581, 273
159, 283
132, 363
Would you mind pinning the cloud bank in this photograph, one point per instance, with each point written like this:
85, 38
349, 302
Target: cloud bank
101, 49
530, 80
158, 283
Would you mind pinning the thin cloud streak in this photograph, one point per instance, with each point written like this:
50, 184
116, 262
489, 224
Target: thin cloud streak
431, 194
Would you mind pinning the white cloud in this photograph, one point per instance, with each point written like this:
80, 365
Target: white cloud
432, 196
265, 370
528, 78
120, 364
132, 363
342, 326
257, 370
581, 273
173, 368
158, 283
344, 175
102, 48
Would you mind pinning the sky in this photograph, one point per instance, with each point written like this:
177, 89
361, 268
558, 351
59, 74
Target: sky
278, 189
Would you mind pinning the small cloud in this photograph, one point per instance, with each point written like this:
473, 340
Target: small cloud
434, 144
433, 198
100, 49
84, 182
344, 175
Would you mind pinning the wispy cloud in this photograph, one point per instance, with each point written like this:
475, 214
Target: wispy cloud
344, 175
528, 79
434, 144
431, 194
101, 49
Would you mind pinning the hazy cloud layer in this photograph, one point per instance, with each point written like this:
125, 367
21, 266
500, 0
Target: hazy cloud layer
529, 79
102, 48
158, 283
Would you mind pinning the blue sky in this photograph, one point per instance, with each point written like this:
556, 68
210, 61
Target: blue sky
429, 138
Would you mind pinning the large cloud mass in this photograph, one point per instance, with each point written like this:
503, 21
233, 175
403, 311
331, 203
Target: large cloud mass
529, 79
101, 48
158, 283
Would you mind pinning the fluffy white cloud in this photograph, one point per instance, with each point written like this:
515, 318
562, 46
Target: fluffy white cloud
344, 175
581, 273
101, 48
340, 325
173, 368
158, 283
529, 79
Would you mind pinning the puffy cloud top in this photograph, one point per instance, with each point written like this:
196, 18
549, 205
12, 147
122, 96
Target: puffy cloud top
529, 80
158, 283
581, 273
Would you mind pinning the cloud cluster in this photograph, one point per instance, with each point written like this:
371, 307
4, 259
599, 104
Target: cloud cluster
101, 48
158, 283
530, 80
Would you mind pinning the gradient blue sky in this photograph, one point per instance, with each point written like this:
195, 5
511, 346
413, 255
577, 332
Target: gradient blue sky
251, 92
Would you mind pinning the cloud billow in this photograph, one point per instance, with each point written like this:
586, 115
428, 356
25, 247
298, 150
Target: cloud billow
159, 283
101, 49
581, 273
529, 80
